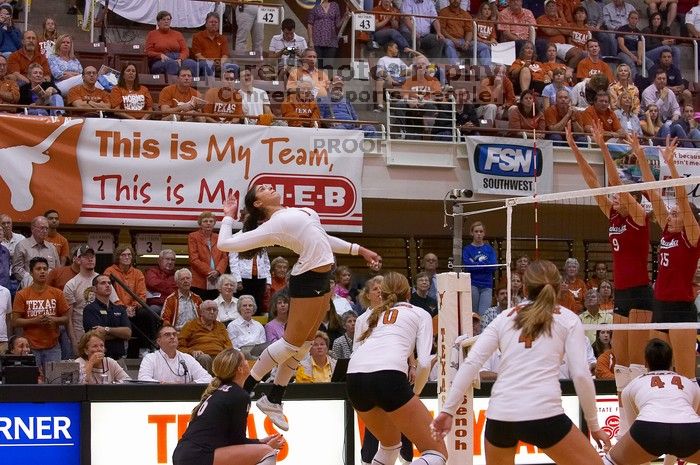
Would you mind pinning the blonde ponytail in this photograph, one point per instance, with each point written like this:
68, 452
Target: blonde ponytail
395, 287
542, 281
224, 368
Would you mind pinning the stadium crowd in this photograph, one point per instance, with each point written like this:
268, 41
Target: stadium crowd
592, 50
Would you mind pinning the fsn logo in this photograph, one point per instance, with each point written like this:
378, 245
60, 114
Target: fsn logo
508, 160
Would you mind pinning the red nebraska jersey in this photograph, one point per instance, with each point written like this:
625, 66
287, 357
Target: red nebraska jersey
630, 250
677, 262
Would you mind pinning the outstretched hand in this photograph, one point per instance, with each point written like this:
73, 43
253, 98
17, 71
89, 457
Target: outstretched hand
441, 425
570, 135
598, 133
231, 205
370, 256
670, 150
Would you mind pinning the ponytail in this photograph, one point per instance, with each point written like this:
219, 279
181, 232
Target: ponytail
542, 281
394, 287
213, 385
252, 217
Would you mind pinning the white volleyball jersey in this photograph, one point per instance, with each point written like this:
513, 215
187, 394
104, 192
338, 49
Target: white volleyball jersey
663, 396
297, 229
527, 386
399, 331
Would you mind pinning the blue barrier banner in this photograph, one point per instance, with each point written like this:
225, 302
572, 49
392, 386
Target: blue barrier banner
40, 433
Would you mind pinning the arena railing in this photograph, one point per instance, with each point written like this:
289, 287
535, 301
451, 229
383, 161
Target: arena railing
533, 36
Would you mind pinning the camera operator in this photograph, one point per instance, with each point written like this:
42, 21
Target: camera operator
10, 36
288, 45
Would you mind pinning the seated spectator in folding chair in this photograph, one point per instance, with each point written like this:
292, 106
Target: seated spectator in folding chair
416, 109
255, 101
181, 101
49, 36
166, 49
204, 337
629, 45
560, 114
10, 36
623, 84
288, 46
615, 15
549, 32
593, 63
600, 111
550, 64
431, 43
318, 366
550, 91
63, 63
692, 22
527, 71
245, 332
39, 92
87, 95
9, 90
224, 101
336, 106
581, 32
390, 73
182, 305
168, 365
309, 68
525, 119
665, 8
496, 95
387, 28
689, 126
674, 77
301, 105
107, 319
628, 118
519, 29
444, 125
662, 96
655, 46
210, 49
160, 280
130, 96
459, 37
18, 62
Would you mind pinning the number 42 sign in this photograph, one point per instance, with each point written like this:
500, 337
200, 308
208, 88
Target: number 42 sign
268, 15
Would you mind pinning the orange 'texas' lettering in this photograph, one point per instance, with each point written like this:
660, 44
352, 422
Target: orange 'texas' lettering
161, 422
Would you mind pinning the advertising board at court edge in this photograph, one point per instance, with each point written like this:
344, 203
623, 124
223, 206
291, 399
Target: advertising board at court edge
46, 433
509, 166
163, 174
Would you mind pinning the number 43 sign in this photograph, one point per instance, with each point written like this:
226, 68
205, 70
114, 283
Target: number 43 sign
268, 15
364, 22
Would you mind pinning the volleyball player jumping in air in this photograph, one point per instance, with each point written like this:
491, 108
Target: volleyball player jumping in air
674, 298
299, 229
378, 388
665, 408
628, 234
525, 403
216, 434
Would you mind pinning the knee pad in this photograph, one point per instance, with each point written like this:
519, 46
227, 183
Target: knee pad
622, 377
269, 459
637, 370
275, 354
386, 455
430, 457
286, 370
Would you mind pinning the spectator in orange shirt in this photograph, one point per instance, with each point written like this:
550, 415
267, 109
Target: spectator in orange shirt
550, 32
573, 285
181, 100
486, 30
581, 33
496, 95
9, 91
129, 95
204, 337
207, 262
560, 114
458, 34
224, 101
166, 49
87, 95
592, 64
417, 104
601, 113
309, 67
60, 242
18, 62
387, 27
210, 48
301, 105
524, 118
527, 71
520, 20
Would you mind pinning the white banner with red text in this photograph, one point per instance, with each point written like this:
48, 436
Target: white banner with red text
164, 174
